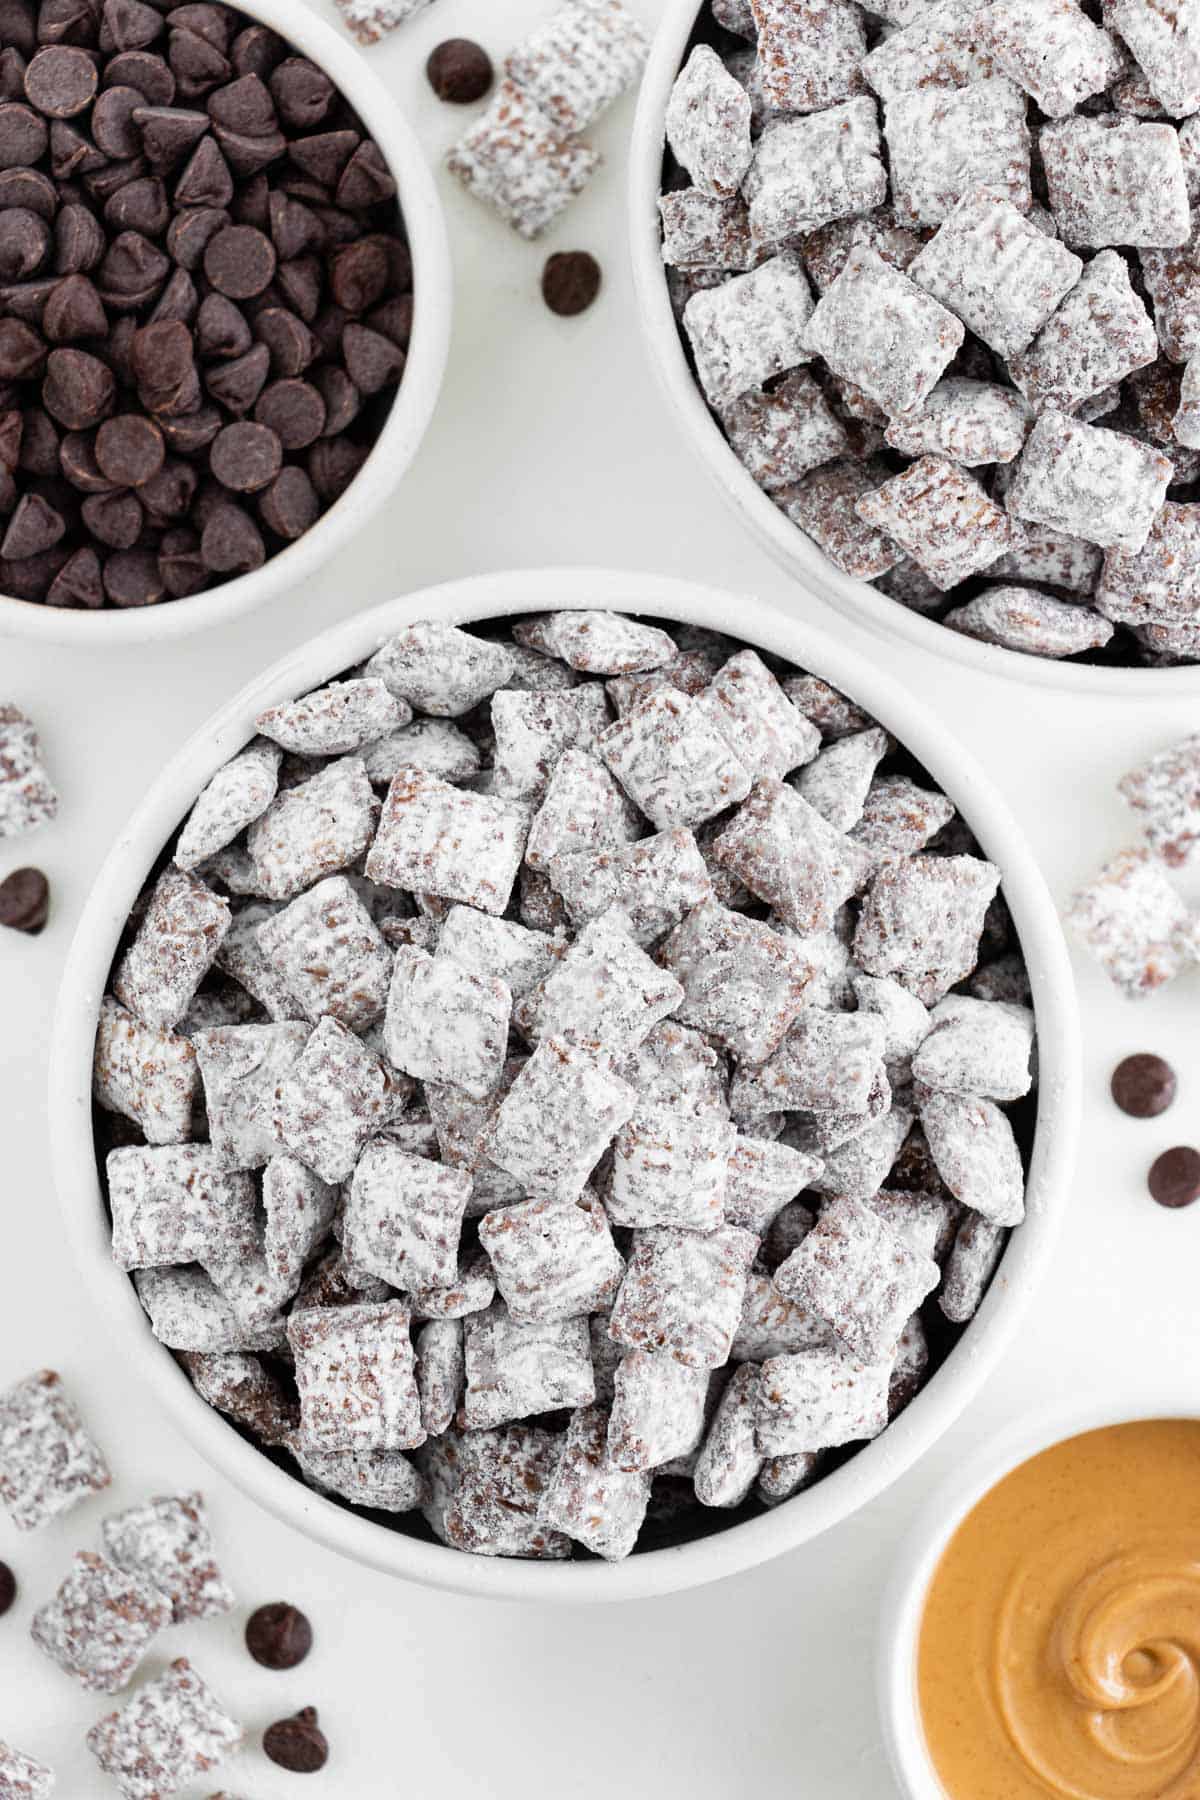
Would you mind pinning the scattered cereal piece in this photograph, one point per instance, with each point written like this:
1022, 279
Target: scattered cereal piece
23, 1777
48, 1462
580, 61
172, 1731
1135, 923
998, 273
371, 20
27, 795
517, 161
1165, 793
168, 1545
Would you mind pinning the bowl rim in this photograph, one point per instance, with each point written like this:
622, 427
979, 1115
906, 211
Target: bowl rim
475, 601
941, 1514
406, 423
790, 546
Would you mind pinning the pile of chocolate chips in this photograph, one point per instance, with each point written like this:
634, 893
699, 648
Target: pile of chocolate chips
205, 298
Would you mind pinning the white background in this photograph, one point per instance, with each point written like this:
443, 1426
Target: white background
552, 445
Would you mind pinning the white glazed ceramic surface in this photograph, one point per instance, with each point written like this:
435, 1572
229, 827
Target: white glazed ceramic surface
405, 426
798, 554
874, 1468
904, 1601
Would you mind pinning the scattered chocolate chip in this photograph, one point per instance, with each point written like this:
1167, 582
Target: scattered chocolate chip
460, 71
297, 1744
61, 81
24, 906
8, 1581
570, 282
1174, 1178
278, 1636
1143, 1086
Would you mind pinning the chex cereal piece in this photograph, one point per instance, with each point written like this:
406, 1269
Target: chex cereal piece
1053, 50
753, 714
1154, 585
180, 933
516, 1370
657, 1410
331, 1101
384, 1480
533, 729
170, 1733
335, 720
905, 1019
100, 1623
683, 1293
674, 1067
237, 795
1100, 334
332, 1282
516, 160
823, 504
672, 761
553, 1259
782, 1476
826, 249
472, 1291
729, 1460
922, 920
1053, 557
1187, 416
168, 1545
145, 1073
790, 856
780, 435
439, 669
701, 231
977, 1047
968, 422
837, 783
486, 946
403, 1218
596, 643
1164, 38
434, 838
708, 124
827, 1062
743, 983
1165, 793
354, 1370
434, 745
605, 989
177, 1203
23, 1777
330, 953
245, 1390
583, 811
580, 61
940, 46
976, 1154
898, 818
1115, 180
242, 957
559, 1116
186, 1312
312, 830
1089, 482
298, 1208
818, 1399
859, 1167
771, 1324
249, 1284
445, 1023
242, 1067
652, 884
371, 20
589, 1498
943, 518
1135, 923
857, 1273
1172, 281
809, 53
440, 1373
809, 171
48, 1462
879, 330
1023, 618
945, 143
998, 273
749, 328
670, 1168
27, 795
760, 1179
978, 1247
494, 1508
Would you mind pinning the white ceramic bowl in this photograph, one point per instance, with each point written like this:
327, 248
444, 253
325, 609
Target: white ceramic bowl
406, 424
799, 555
904, 1602
740, 1546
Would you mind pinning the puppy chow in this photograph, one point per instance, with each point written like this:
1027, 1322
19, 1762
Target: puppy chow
827, 1062
436, 746
298, 1211
438, 839
553, 1259
676, 1068
782, 433
837, 783
750, 328
818, 1399
439, 670
859, 1167
333, 1098
605, 990
589, 1498
579, 61
945, 143
1165, 794
922, 920
1115, 180
996, 272
752, 713
440, 1373
238, 793
702, 231
383, 1480
1023, 618
371, 20
967, 422
670, 1168
518, 161
245, 1390
354, 1370
495, 1504
651, 884
187, 1312
657, 1410
942, 516
824, 504
242, 1067
790, 856
335, 720
743, 983
48, 1460
179, 935
682, 1293
708, 124
879, 330
515, 1370
146, 1073
1164, 38
1052, 50
446, 1024
729, 1460
167, 1544
761, 1177
1089, 482
317, 828
937, 46
330, 953
972, 1144
173, 1731
1136, 923
772, 1324
178, 1203
403, 1218
28, 797
809, 171
1099, 335
582, 812
23, 1777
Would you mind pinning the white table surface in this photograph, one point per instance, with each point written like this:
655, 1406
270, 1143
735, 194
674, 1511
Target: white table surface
553, 445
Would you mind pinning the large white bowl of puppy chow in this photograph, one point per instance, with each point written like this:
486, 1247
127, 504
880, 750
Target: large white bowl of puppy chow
226, 303
563, 1083
918, 281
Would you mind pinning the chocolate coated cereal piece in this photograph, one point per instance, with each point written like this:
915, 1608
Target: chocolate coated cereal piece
1114, 180
701, 231
708, 124
238, 794
1165, 793
657, 1410
167, 1544
596, 643
186, 1312
515, 1371
1135, 923
879, 330
809, 53
171, 1732
743, 983
671, 761
435, 838
559, 1116
788, 855
354, 1370
922, 920
579, 61
331, 1101
403, 1218
967, 422
998, 273
495, 1505
828, 1061
517, 161
589, 1498
299, 1210
838, 782
446, 1023
750, 328
978, 1247
240, 1386
977, 1047
242, 1067
440, 1373
314, 829
1054, 51
48, 1462
1099, 335
1089, 482
1165, 41
145, 1073
771, 1324
23, 1776
473, 1291
343, 717
938, 46
552, 1259
818, 1399
652, 883
729, 1459
178, 1203
823, 504
675, 1068
604, 989
761, 1178
27, 795
943, 517
810, 171
975, 1153
1154, 586
670, 1168
329, 954
682, 1293
1023, 618
948, 143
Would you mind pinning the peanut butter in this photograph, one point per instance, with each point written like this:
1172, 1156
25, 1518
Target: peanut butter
1059, 1650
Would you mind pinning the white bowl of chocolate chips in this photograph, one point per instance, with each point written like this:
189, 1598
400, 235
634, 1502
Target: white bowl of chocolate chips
603, 1010
225, 301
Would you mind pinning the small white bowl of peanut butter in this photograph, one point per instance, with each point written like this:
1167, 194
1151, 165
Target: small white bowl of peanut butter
1041, 1636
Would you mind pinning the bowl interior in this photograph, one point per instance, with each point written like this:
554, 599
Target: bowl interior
751, 1535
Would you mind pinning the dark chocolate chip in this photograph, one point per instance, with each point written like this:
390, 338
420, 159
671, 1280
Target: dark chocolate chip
303, 93
34, 527
164, 364
78, 390
297, 1744
343, 402
294, 411
141, 206
278, 1636
178, 303
68, 22
366, 179
244, 106
328, 329
252, 205
77, 457
79, 241
61, 81
245, 457
232, 543
71, 153
359, 276
24, 136
192, 231
146, 71
1143, 1085
190, 433
78, 583
197, 64
169, 134
291, 345
128, 25
1174, 1178
257, 51
132, 271
291, 505
460, 71
8, 1581
114, 126
323, 157
236, 385
114, 520
24, 243
31, 189
130, 450
222, 329
18, 25
301, 283
240, 262
105, 182
74, 311
333, 464
12, 74
181, 565
570, 282
24, 906
12, 431
295, 228
169, 494
394, 319
249, 156
39, 443
133, 578
31, 578
373, 362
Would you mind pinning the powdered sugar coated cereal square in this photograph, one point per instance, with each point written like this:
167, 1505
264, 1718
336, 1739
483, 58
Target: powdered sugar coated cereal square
146, 1074
967, 422
173, 1731
978, 1247
780, 435
177, 940
943, 517
440, 670
27, 795
403, 1218
789, 856
657, 1410
1089, 482
440, 1373
670, 1168
750, 328
1165, 794
938, 46
330, 953
237, 795
998, 273
23, 1777
652, 883
879, 330
335, 720
242, 1067
823, 504
1155, 586
945, 143
445, 1023
1164, 37
187, 1313
729, 1459
312, 830
434, 838
517, 1370
755, 717
683, 1293
48, 1460
1053, 50
517, 161
818, 1399
494, 1507
384, 1480
596, 643
1115, 180
168, 1544
583, 811
333, 1099
1135, 923
672, 761
553, 1259
354, 1370
1100, 334
976, 1154
809, 52
589, 1498
922, 920
743, 983
977, 1047
811, 170
701, 231
371, 20
1023, 618
560, 1115
177, 1203
708, 124
581, 60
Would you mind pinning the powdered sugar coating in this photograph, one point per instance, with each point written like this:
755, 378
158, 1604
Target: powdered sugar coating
48, 1460
371, 20
657, 1410
23, 1777
240, 1386
1155, 585
1053, 50
403, 1218
589, 1498
516, 160
492, 1508
314, 829
172, 1731
439, 670
818, 1399
790, 856
331, 1101
1099, 335
354, 1370
168, 1544
809, 171
998, 273
772, 1324
242, 1067
760, 1179
335, 720
561, 1113
743, 983
1023, 618
701, 231
922, 920
682, 1293
708, 124
651, 884
435, 838
978, 1247
943, 517
972, 1143
441, 1371
670, 1168
177, 1203
938, 46
325, 947
596, 643
605, 989
176, 942
1089, 482
977, 1047
237, 795
1135, 923
1164, 37
1115, 180
553, 1259
384, 1480
146, 1073
752, 713
879, 330
828, 1062
186, 1312
948, 142
581, 60
517, 1370
968, 422
28, 797
749, 328
824, 504
445, 1023
780, 435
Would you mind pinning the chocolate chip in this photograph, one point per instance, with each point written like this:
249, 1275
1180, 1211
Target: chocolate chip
343, 402
248, 156
190, 433
222, 329
79, 241
192, 231
301, 282
394, 319
236, 385
291, 505
1174, 1178
460, 71
291, 345
295, 228
333, 464
78, 583
144, 70
31, 189
244, 106
8, 1581
366, 180
570, 282
278, 1636
373, 362
163, 363
178, 303
133, 578
128, 25
132, 271
130, 450
168, 495
61, 81
24, 906
141, 205
12, 430
257, 51
303, 93
114, 126
240, 262
211, 22
31, 578
181, 565
77, 457
246, 457
12, 74
18, 25
39, 443
294, 411
34, 527
78, 390
114, 520
198, 65
169, 135
24, 136
297, 1744
1143, 1085
73, 311
22, 352
24, 244
323, 157
232, 543
359, 276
